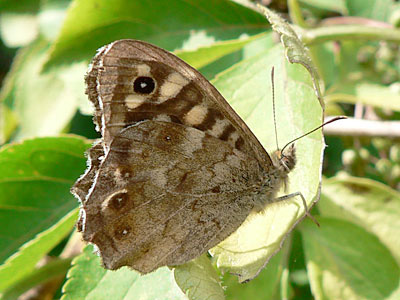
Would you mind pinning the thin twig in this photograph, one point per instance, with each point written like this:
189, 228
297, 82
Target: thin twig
359, 127
354, 21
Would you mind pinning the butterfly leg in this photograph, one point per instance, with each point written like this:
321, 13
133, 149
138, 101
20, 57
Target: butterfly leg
292, 195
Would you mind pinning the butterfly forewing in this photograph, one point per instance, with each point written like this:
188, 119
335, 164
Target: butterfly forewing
181, 95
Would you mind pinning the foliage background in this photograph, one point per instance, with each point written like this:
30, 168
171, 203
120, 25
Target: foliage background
45, 126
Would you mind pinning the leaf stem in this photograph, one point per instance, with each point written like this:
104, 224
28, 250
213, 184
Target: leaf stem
295, 13
346, 32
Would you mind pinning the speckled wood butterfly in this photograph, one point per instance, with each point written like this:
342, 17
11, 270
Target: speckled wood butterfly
176, 171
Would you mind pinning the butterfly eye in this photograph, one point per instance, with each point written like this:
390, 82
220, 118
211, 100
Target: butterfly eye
144, 85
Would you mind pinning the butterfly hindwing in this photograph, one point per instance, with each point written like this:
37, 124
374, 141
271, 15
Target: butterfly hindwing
172, 192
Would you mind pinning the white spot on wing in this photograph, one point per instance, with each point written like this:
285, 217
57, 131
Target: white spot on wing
134, 101
143, 70
219, 127
163, 118
233, 137
172, 86
196, 115
194, 140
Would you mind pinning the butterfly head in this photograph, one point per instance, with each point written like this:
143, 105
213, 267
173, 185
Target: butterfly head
285, 160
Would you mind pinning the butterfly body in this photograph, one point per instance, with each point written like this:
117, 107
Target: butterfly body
177, 171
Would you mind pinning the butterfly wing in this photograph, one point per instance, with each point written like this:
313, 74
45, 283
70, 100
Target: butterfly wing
84, 183
181, 95
165, 193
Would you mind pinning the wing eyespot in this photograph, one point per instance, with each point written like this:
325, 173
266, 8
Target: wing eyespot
144, 85
118, 201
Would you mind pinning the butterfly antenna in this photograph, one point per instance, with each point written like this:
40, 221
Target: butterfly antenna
273, 106
315, 129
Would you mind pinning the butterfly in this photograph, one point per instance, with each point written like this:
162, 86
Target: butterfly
176, 171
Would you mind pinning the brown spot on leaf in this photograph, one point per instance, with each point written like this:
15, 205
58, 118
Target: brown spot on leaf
387, 199
356, 188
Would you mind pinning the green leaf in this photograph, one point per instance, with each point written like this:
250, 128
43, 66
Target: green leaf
346, 262
91, 24
256, 47
8, 123
203, 56
246, 87
324, 55
53, 270
380, 96
367, 203
295, 51
372, 9
35, 203
266, 286
337, 6
355, 82
87, 280
23, 262
44, 103
20, 6
199, 280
